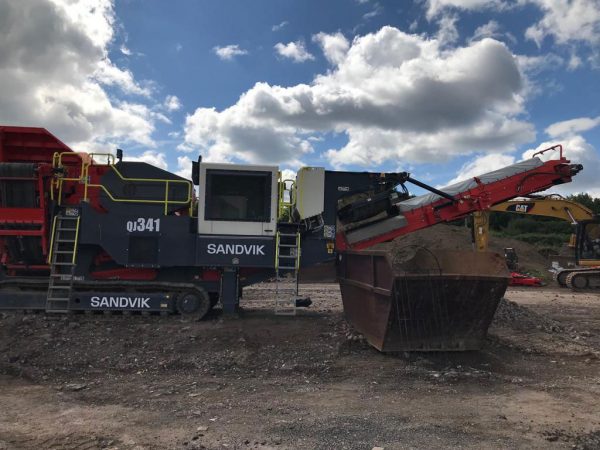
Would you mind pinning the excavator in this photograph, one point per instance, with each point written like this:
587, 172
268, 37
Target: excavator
585, 240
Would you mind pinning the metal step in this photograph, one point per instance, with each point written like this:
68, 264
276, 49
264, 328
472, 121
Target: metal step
61, 284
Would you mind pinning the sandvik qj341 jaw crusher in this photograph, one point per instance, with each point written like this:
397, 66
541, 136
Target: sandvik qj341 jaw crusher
90, 232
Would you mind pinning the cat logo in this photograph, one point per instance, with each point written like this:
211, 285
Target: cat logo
522, 208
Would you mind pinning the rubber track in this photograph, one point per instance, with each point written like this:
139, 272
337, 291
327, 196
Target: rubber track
589, 275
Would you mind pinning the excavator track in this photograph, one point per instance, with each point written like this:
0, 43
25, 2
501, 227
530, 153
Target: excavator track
583, 280
562, 276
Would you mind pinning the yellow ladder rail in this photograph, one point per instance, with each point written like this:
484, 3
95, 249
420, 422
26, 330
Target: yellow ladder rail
282, 203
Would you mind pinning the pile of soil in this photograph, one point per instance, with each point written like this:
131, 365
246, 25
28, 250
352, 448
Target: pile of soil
450, 237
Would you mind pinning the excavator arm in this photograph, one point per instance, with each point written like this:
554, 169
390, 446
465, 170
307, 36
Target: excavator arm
546, 206
403, 216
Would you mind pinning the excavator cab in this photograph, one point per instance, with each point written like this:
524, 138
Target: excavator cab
588, 243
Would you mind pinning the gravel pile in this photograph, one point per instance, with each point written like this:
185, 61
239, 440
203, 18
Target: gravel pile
513, 315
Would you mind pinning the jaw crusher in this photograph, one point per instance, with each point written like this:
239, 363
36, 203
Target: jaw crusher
95, 232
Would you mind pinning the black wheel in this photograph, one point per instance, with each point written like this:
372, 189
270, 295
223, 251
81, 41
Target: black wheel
561, 277
578, 281
193, 305
214, 298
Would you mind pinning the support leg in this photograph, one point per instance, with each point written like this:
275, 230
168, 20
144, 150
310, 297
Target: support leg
229, 291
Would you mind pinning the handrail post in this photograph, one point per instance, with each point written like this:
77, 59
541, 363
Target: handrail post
166, 196
85, 181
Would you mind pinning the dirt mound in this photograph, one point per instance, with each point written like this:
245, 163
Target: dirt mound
452, 237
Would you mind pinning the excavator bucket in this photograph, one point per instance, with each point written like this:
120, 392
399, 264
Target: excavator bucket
418, 299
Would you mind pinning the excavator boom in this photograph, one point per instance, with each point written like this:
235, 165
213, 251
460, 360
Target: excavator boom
585, 240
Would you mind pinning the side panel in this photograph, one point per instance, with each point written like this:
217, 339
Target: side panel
310, 191
141, 238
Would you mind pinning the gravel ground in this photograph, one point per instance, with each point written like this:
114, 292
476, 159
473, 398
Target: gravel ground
264, 381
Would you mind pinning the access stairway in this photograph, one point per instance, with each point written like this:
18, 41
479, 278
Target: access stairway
287, 264
63, 252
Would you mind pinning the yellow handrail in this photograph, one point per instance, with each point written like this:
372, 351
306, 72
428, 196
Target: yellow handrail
84, 176
282, 204
297, 251
277, 239
76, 238
52, 240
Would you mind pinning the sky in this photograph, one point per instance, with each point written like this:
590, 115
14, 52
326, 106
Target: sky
444, 89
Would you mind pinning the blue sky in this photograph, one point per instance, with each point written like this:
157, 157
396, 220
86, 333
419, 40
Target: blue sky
443, 88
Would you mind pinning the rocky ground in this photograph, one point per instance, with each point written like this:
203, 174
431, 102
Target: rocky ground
265, 381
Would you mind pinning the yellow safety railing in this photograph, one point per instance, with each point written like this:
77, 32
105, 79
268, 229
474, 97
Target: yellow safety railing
75, 246
298, 251
277, 239
52, 239
84, 177
286, 205
74, 243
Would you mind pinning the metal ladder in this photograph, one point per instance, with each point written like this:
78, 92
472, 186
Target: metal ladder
63, 251
287, 264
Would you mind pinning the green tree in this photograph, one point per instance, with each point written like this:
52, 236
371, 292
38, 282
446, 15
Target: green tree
587, 200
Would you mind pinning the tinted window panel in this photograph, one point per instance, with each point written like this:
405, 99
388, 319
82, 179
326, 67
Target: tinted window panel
238, 196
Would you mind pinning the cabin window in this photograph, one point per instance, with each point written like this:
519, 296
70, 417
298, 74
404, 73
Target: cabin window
238, 195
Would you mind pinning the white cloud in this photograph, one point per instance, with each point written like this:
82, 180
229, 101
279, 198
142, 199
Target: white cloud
54, 68
123, 49
435, 7
483, 164
579, 151
184, 167
109, 74
152, 157
447, 33
172, 103
296, 51
334, 46
396, 97
567, 21
491, 29
377, 10
574, 61
228, 52
280, 26
573, 126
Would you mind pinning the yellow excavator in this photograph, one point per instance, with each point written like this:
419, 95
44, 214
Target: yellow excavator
585, 240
